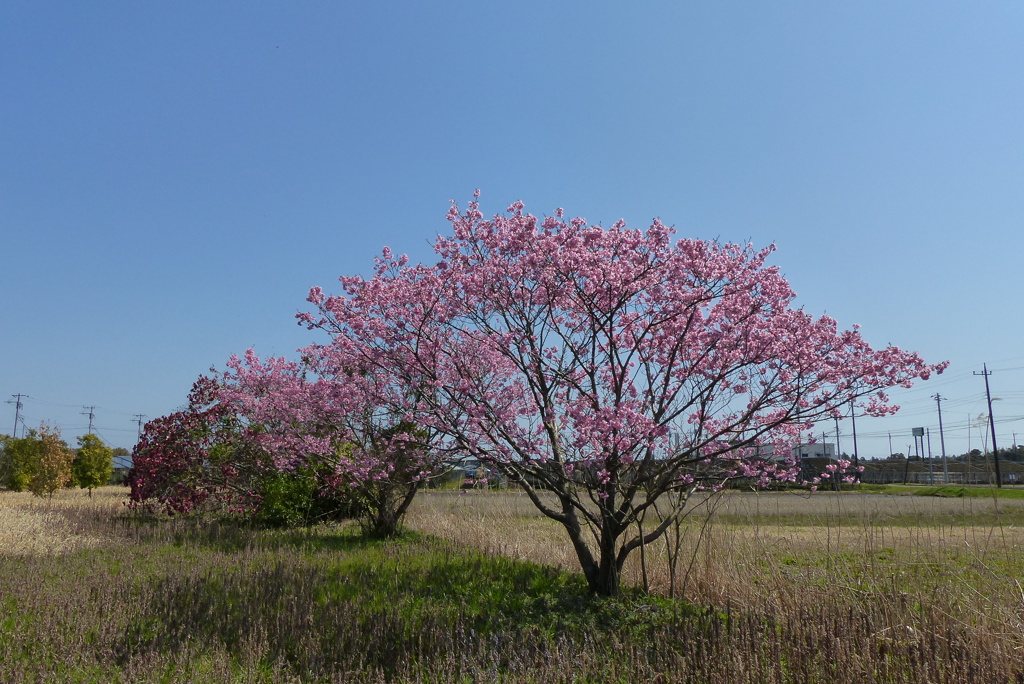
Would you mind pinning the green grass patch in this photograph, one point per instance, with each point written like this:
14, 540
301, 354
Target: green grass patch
948, 491
972, 492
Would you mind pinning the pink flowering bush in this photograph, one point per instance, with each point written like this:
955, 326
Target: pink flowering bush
340, 418
608, 366
205, 457
266, 440
171, 464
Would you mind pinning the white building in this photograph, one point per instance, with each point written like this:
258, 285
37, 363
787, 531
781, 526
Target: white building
816, 450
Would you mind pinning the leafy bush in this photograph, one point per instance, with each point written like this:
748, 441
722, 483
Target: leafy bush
301, 497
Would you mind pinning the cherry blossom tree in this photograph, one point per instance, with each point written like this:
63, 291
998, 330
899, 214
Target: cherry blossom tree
603, 370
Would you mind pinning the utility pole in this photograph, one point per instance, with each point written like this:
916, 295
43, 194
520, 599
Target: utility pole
90, 414
906, 466
968, 445
835, 478
17, 410
138, 420
942, 440
931, 466
853, 417
992, 423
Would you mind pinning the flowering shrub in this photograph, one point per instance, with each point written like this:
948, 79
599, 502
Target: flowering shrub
261, 441
344, 422
188, 458
205, 457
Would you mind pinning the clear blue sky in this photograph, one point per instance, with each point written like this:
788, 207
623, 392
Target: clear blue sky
175, 176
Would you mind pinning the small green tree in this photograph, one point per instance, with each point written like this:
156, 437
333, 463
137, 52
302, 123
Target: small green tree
93, 464
52, 469
17, 456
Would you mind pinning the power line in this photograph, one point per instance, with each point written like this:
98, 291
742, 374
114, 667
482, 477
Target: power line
36, 400
955, 426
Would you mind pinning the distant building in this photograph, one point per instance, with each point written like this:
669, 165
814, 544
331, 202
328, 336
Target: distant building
764, 452
816, 450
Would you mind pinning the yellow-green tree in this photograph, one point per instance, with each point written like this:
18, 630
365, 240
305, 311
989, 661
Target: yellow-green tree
93, 464
17, 456
52, 469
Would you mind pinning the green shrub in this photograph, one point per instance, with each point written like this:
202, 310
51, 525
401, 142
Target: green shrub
300, 498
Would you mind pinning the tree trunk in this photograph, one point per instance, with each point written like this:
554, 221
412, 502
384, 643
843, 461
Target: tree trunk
603, 573
384, 517
607, 580
606, 583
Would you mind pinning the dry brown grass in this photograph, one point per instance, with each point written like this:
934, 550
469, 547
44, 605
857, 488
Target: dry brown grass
782, 553
70, 520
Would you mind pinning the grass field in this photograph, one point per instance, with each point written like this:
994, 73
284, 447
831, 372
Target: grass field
769, 587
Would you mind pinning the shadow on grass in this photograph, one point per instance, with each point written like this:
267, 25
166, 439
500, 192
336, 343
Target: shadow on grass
233, 535
314, 600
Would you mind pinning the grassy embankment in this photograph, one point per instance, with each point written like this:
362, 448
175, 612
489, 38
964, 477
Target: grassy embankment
778, 588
